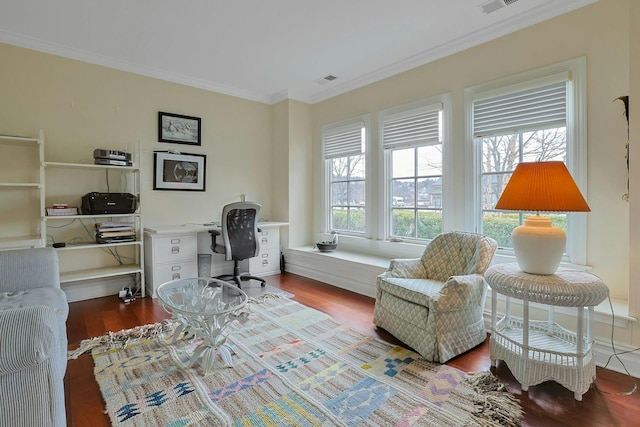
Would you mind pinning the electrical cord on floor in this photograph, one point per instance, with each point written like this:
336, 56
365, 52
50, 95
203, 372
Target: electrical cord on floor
617, 354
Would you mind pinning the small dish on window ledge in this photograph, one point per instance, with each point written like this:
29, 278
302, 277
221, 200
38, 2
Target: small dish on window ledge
326, 246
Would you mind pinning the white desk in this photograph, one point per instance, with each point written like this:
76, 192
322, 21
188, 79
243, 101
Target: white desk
171, 252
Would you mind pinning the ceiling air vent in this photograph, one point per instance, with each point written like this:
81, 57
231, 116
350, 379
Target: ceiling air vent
326, 79
494, 5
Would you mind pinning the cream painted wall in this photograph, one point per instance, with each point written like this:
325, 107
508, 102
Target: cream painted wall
634, 140
82, 106
300, 163
280, 154
601, 33
292, 163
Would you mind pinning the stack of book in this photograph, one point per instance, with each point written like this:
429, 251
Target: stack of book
115, 232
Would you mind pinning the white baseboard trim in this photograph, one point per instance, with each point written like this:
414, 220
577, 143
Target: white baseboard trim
80, 291
627, 355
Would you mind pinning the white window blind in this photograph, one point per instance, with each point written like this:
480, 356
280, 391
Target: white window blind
345, 141
420, 126
532, 109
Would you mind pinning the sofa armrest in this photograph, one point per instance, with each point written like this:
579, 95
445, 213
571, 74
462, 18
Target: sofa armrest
412, 268
28, 337
23, 269
461, 292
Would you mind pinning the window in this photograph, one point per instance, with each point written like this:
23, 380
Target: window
344, 153
412, 140
533, 118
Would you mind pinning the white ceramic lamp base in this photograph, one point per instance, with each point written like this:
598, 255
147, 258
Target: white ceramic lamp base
538, 245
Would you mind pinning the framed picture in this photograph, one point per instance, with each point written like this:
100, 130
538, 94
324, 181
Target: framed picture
183, 171
179, 129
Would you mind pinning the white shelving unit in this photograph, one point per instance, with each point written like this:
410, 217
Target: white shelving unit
106, 266
17, 187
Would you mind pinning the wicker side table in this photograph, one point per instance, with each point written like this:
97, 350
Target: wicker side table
538, 351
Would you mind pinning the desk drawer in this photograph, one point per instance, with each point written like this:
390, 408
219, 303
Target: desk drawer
269, 238
267, 262
172, 271
175, 248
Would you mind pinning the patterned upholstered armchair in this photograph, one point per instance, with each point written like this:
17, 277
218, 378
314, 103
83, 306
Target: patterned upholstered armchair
435, 303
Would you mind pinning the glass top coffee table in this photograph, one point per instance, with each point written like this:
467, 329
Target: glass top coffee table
203, 308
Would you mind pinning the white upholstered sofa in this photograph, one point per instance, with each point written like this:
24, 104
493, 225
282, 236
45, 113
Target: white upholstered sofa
435, 303
33, 339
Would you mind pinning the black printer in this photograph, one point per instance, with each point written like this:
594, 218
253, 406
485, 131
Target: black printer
108, 203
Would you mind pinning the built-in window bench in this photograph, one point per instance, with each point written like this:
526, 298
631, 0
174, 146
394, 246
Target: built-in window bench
349, 270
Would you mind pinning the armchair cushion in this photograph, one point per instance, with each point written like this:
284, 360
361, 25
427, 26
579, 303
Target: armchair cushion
406, 268
418, 291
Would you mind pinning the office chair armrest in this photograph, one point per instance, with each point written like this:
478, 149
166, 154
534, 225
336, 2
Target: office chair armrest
216, 247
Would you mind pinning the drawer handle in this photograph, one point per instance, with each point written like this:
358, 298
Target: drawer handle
265, 240
266, 255
176, 268
265, 262
175, 249
265, 233
175, 276
175, 241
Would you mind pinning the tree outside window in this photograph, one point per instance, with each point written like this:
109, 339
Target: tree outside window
500, 156
348, 193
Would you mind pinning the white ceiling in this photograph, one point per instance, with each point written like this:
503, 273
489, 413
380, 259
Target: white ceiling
265, 50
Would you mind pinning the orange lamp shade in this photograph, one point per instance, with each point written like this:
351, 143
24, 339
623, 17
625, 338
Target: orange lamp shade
542, 187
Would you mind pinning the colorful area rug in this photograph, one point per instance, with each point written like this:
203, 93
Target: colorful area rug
293, 366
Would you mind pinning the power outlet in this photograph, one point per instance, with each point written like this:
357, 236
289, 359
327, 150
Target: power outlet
122, 293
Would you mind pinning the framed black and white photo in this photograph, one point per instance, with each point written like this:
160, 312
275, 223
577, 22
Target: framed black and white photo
179, 129
183, 171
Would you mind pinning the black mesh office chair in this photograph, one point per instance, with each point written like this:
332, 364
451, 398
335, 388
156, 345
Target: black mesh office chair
239, 238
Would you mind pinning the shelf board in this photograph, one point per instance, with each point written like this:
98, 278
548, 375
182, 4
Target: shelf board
87, 166
18, 138
72, 247
20, 184
15, 242
540, 342
50, 217
96, 273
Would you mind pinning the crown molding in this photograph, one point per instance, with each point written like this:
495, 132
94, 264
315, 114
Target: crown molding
128, 66
546, 11
499, 29
280, 96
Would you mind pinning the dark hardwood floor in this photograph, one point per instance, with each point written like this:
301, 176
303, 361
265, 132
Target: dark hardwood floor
547, 404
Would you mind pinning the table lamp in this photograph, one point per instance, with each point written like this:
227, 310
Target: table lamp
547, 187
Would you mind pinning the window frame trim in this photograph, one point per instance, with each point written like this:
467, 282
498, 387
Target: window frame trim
439, 102
365, 119
575, 71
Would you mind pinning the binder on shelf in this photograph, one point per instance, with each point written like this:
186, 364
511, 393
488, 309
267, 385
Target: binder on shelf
121, 239
115, 232
115, 226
